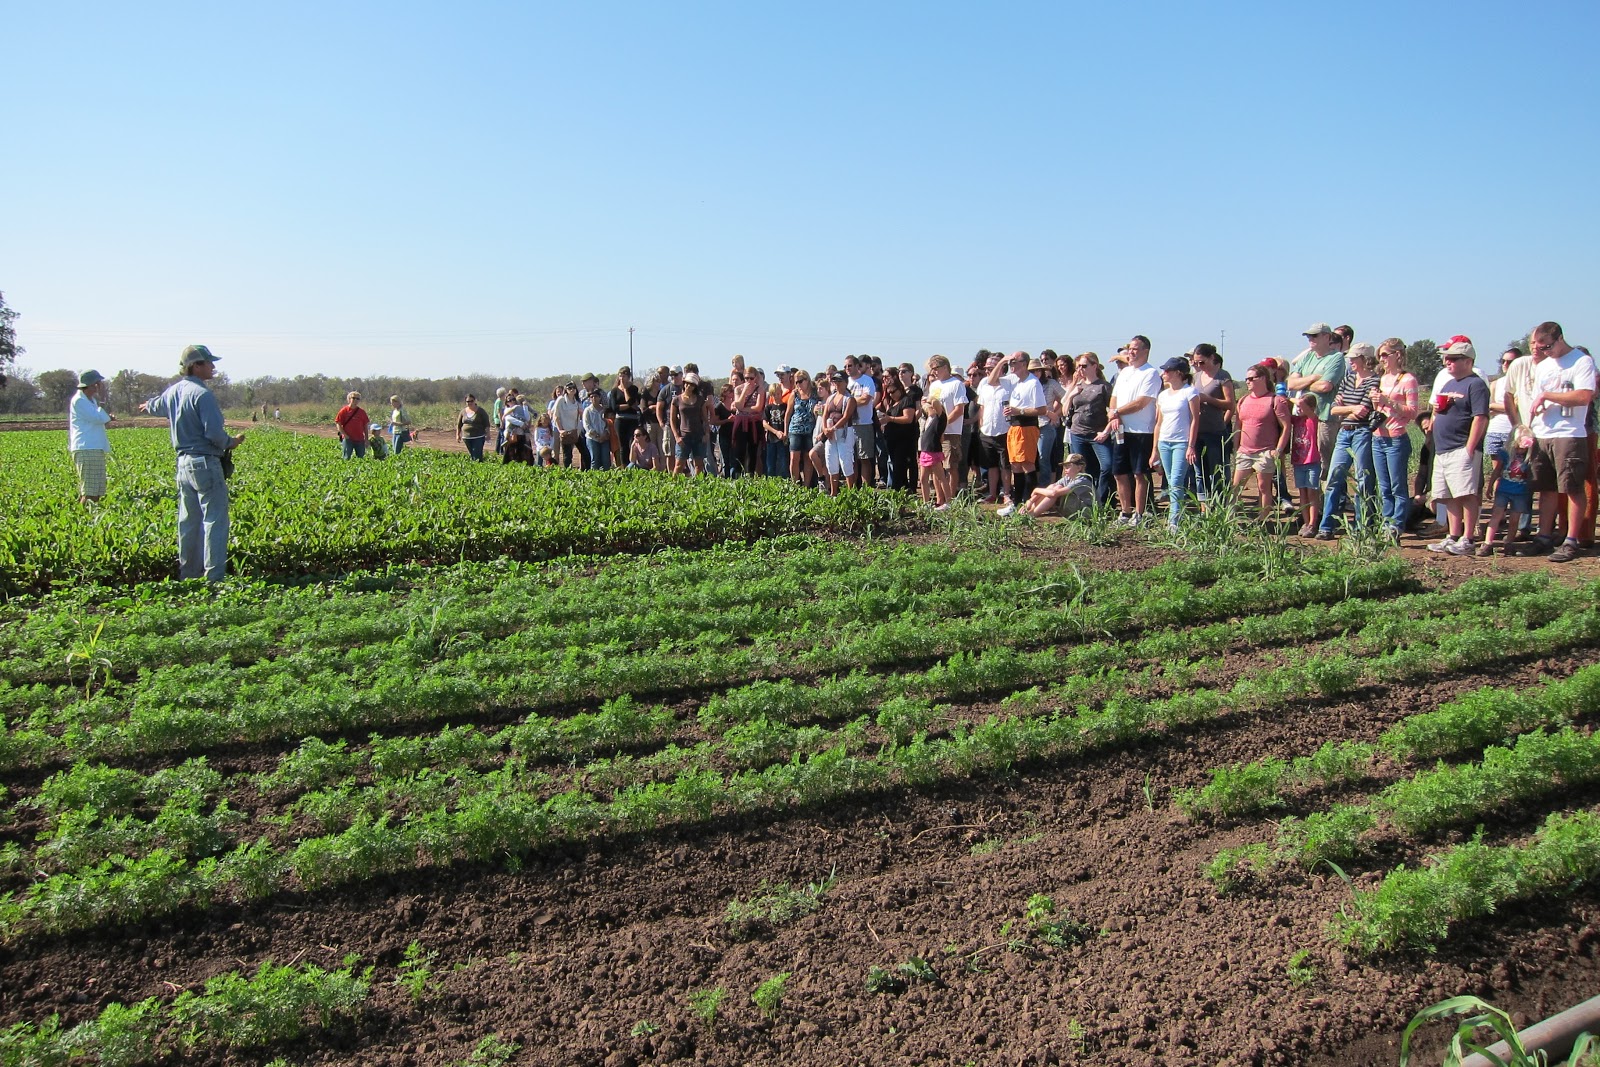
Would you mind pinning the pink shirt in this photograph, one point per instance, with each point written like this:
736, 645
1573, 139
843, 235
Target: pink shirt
1261, 420
1398, 403
1304, 450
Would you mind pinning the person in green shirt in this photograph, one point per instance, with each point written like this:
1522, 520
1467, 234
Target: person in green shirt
1318, 371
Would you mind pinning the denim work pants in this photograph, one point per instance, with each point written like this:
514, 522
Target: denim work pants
1392, 456
1097, 463
1175, 464
349, 448
202, 518
474, 447
1353, 446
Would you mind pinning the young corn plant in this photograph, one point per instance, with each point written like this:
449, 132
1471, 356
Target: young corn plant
1465, 1041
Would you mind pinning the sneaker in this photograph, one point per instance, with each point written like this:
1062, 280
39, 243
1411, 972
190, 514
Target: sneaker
1308, 530
942, 507
1447, 545
1566, 552
1007, 511
1324, 535
1172, 527
1463, 547
1485, 550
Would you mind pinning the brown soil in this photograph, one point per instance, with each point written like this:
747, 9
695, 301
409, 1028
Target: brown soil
587, 955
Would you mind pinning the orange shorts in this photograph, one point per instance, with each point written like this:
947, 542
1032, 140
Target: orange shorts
1022, 444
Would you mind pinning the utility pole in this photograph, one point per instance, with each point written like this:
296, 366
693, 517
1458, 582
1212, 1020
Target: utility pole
1222, 345
630, 349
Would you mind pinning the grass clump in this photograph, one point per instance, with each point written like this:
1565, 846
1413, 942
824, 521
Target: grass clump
773, 906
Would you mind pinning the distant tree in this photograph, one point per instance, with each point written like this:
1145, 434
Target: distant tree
57, 386
129, 387
21, 395
9, 349
1422, 359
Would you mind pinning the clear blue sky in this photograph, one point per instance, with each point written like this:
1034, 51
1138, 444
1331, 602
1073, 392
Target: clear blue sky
417, 189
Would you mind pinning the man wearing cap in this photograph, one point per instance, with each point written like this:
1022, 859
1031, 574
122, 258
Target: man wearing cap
1318, 371
1132, 424
1564, 387
87, 439
1460, 423
1353, 446
200, 439
994, 391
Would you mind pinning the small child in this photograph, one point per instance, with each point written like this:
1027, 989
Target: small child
1307, 459
930, 443
544, 441
1511, 492
379, 446
644, 455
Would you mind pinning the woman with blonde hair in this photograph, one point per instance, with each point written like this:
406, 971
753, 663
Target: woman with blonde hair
399, 424
1395, 402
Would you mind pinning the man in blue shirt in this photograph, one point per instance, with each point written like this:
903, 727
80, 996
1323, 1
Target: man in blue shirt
200, 439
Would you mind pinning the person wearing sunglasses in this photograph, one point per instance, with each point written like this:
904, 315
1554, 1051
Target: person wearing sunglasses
1265, 433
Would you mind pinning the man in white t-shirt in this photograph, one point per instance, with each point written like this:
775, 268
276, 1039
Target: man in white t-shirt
1564, 386
1023, 409
1132, 425
993, 393
864, 391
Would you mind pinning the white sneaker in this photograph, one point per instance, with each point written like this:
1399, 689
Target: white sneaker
1007, 511
1463, 547
1447, 545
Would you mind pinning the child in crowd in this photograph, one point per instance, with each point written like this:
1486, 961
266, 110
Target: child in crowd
1306, 456
544, 441
1072, 493
930, 444
1512, 493
379, 446
644, 455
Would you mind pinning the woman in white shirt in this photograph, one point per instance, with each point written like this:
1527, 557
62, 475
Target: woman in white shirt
1176, 433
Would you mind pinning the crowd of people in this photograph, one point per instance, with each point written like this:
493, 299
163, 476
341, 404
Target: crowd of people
1037, 435
1178, 435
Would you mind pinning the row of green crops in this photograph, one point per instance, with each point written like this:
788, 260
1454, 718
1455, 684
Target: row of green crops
116, 846
298, 509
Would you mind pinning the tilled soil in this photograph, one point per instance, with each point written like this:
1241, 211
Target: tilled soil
588, 955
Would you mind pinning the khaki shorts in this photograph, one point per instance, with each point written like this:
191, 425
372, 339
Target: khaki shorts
950, 446
1022, 444
1556, 464
1457, 473
1263, 463
866, 441
91, 464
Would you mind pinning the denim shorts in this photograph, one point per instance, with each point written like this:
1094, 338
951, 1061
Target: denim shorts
799, 442
1307, 475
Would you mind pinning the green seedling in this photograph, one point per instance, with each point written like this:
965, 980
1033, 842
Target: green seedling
416, 972
491, 1052
1039, 915
705, 1002
643, 1028
919, 969
769, 994
1300, 970
773, 906
884, 981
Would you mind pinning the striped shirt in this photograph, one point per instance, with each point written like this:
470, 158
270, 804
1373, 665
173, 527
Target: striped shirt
1356, 392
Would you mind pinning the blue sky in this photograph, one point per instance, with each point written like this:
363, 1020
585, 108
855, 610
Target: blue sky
359, 189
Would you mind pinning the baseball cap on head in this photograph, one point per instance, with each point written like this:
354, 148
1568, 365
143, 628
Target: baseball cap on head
1364, 351
1316, 329
90, 377
1458, 347
195, 354
1177, 363
783, 368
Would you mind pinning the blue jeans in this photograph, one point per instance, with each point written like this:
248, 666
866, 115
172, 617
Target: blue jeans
202, 518
1097, 463
777, 457
1392, 456
1175, 464
474, 447
353, 448
1047, 445
399, 440
1353, 447
599, 455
